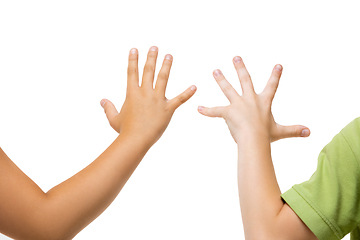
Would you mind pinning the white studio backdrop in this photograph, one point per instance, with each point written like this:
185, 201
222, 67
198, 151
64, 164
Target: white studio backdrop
58, 59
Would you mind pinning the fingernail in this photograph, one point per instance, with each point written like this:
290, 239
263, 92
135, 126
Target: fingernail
168, 56
193, 88
133, 51
200, 108
237, 59
217, 72
305, 133
278, 67
102, 103
153, 48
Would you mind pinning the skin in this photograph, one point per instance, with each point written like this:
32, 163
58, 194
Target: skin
252, 125
26, 212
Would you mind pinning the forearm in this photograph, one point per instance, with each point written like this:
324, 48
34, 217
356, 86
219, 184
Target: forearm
259, 192
80, 199
29, 213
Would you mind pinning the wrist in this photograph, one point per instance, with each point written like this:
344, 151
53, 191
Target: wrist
250, 135
139, 140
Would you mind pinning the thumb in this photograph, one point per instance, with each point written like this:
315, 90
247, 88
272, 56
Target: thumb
109, 109
292, 131
182, 98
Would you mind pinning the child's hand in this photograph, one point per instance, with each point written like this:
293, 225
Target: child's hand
251, 112
146, 112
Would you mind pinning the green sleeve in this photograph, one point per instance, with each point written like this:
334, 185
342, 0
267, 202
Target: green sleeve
328, 203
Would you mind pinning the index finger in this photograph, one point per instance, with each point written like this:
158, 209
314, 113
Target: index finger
225, 86
163, 75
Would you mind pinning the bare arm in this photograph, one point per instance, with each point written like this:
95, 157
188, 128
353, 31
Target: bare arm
29, 213
265, 216
26, 212
251, 123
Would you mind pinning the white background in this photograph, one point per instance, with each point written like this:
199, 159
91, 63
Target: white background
58, 59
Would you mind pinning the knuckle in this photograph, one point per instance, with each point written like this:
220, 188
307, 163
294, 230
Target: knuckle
293, 132
167, 62
182, 99
152, 54
163, 75
220, 79
240, 67
133, 57
276, 74
149, 68
227, 88
246, 78
132, 70
273, 84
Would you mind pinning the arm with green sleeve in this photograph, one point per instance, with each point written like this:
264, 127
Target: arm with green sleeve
26, 212
251, 123
329, 202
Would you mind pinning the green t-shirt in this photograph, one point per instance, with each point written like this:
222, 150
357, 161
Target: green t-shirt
329, 202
